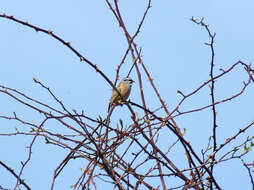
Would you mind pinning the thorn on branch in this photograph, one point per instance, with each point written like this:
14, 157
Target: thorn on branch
222, 70
241, 130
47, 141
178, 111
180, 92
50, 32
36, 80
15, 116
82, 58
96, 68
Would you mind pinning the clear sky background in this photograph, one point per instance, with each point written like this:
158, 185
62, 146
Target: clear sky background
173, 51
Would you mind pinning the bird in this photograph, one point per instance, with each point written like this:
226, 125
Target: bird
124, 87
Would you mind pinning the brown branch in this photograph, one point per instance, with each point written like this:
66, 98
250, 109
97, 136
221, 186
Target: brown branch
67, 44
21, 181
249, 172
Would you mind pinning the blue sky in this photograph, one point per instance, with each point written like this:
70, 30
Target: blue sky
173, 51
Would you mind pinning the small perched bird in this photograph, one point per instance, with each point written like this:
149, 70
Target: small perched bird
124, 87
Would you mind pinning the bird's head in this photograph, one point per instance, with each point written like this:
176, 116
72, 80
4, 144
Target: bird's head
128, 81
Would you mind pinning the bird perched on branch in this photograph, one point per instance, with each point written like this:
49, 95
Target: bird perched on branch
124, 88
